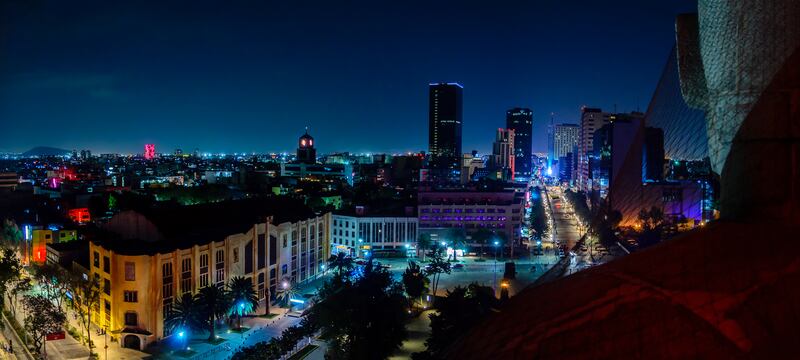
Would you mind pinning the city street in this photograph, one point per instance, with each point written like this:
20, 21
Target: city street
567, 232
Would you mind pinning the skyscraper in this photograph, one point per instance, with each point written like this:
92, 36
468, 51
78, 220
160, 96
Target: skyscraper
591, 120
444, 129
565, 137
521, 121
503, 155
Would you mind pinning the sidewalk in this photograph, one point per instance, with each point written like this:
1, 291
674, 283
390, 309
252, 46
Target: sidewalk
19, 348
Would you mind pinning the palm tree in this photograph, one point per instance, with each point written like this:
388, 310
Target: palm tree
458, 238
186, 314
414, 281
287, 294
243, 297
214, 303
424, 243
341, 262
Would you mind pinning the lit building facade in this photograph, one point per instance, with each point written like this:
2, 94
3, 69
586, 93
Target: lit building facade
156, 260
565, 139
503, 154
360, 234
471, 210
521, 121
591, 120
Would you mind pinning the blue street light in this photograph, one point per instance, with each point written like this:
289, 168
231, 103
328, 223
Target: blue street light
180, 334
496, 243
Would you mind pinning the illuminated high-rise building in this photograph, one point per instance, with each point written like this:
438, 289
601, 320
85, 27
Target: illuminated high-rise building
149, 151
503, 155
444, 129
565, 138
521, 121
591, 120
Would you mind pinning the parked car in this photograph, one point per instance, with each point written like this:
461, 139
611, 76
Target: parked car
458, 266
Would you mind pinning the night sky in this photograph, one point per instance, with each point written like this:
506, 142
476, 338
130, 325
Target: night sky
249, 77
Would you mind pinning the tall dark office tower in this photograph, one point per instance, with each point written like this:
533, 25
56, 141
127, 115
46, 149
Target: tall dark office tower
444, 129
521, 121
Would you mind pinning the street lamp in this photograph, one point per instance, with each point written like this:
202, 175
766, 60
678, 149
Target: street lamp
494, 271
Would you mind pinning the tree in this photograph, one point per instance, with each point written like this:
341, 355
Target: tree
362, 317
285, 295
85, 297
186, 314
424, 243
538, 218
243, 297
414, 281
457, 237
53, 280
459, 311
652, 222
11, 236
17, 286
43, 318
482, 237
340, 262
436, 267
214, 303
10, 270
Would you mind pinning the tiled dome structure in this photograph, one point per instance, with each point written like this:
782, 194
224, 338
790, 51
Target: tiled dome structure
730, 290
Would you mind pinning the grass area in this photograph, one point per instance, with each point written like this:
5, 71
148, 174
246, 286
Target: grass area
304, 352
185, 353
240, 330
216, 341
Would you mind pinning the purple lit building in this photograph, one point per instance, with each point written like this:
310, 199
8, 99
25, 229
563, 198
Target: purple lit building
499, 211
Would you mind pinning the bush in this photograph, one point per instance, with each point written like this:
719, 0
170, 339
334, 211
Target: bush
74, 333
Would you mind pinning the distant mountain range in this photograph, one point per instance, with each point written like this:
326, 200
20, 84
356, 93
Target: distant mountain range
45, 151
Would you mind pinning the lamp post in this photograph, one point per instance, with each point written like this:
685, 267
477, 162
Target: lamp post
494, 271
241, 311
105, 340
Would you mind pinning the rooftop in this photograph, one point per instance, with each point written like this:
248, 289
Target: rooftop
161, 229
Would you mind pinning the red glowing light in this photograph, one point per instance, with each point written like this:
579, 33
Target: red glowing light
149, 151
80, 215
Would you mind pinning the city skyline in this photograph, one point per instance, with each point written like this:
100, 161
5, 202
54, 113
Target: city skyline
183, 83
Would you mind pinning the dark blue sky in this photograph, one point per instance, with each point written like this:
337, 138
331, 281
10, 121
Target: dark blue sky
250, 75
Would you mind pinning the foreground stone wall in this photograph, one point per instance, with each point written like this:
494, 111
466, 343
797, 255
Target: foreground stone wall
743, 47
